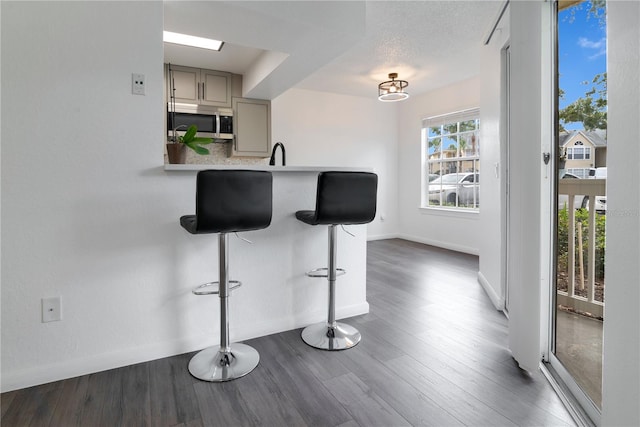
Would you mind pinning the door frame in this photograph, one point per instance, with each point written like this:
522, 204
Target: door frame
506, 170
579, 404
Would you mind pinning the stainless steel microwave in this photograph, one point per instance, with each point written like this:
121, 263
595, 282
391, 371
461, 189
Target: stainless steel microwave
212, 122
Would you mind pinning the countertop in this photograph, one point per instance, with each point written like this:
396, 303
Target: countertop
175, 167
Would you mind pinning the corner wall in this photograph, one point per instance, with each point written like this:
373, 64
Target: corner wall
493, 152
320, 129
451, 230
88, 212
621, 349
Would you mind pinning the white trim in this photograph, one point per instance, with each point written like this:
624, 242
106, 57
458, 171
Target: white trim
466, 213
472, 113
383, 237
503, 8
191, 167
497, 301
439, 244
43, 374
565, 393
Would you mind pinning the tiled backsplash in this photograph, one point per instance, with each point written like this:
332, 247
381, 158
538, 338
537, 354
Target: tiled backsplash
218, 156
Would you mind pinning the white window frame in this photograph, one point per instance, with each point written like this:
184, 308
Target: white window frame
586, 153
447, 159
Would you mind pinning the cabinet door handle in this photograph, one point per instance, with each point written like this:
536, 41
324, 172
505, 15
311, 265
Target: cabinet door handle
203, 95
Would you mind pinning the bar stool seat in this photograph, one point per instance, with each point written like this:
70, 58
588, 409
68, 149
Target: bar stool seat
342, 198
227, 201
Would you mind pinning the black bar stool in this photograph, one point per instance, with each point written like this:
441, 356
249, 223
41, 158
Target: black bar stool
342, 198
227, 201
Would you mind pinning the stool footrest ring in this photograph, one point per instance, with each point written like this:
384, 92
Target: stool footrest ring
213, 288
324, 272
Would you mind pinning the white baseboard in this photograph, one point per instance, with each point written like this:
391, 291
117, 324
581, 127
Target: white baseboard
496, 300
101, 362
383, 237
439, 244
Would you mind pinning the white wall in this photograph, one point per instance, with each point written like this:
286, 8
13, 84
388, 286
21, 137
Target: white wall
452, 230
89, 214
491, 244
621, 367
320, 129
524, 273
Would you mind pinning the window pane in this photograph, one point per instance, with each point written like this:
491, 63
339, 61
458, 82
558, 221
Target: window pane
450, 128
434, 169
468, 125
435, 131
468, 192
467, 143
447, 169
466, 166
452, 161
434, 148
450, 146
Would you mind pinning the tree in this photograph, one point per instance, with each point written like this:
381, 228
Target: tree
590, 110
435, 144
463, 147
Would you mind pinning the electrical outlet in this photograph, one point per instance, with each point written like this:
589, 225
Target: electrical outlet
51, 309
137, 84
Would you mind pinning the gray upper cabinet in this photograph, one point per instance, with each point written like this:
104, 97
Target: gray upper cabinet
200, 86
252, 128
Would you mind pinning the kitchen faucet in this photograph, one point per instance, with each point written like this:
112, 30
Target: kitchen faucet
272, 161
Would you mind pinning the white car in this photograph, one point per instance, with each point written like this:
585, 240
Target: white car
582, 202
563, 199
455, 189
601, 201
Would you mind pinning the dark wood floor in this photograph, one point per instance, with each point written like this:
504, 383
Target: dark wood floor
433, 353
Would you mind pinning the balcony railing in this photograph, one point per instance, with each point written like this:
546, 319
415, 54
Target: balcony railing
575, 298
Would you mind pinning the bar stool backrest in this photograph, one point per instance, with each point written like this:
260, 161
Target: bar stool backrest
233, 200
346, 197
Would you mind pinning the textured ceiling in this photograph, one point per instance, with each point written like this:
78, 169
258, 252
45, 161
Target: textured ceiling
343, 47
428, 43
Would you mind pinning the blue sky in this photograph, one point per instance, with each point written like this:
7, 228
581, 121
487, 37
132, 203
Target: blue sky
582, 43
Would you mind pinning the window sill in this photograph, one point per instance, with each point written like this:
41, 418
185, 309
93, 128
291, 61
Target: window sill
452, 213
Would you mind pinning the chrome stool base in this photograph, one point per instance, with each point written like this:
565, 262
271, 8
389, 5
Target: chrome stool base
214, 365
324, 337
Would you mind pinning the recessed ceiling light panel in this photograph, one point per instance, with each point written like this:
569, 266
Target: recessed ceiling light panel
187, 40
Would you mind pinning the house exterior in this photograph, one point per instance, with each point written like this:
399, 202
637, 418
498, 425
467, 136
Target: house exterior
584, 150
449, 166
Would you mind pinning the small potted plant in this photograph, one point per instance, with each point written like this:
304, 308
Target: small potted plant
176, 149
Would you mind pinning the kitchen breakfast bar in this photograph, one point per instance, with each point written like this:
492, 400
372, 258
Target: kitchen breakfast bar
276, 295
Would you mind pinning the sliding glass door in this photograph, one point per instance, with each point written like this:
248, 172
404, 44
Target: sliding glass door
580, 206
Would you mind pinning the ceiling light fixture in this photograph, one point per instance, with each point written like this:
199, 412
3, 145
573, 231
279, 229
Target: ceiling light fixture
393, 90
193, 41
